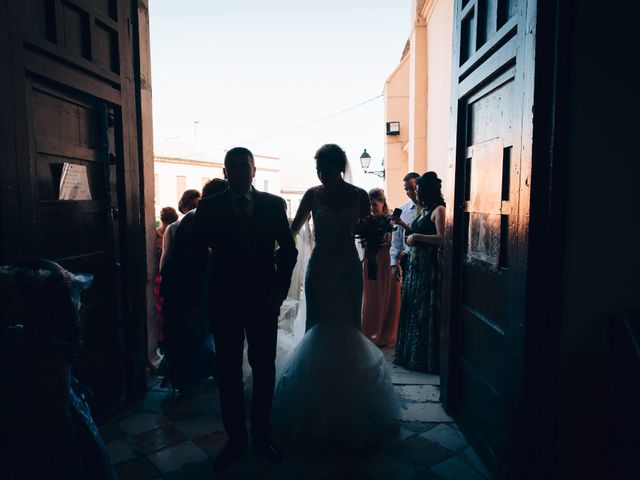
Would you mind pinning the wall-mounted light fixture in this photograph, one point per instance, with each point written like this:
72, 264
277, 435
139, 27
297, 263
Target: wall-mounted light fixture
393, 128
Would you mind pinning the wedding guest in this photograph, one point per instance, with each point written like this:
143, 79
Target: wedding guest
418, 346
189, 352
168, 215
381, 303
410, 210
44, 416
335, 389
188, 202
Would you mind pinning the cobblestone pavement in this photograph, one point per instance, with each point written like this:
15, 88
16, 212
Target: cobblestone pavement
169, 437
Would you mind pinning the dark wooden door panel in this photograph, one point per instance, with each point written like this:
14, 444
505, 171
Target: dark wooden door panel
81, 235
485, 297
69, 79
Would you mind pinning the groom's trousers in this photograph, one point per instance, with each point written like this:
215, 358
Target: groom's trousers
229, 331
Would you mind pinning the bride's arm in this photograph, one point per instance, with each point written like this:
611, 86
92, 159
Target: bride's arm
302, 215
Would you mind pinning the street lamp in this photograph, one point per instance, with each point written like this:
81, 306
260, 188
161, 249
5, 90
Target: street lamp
365, 163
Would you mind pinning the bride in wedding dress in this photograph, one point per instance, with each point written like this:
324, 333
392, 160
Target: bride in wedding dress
334, 386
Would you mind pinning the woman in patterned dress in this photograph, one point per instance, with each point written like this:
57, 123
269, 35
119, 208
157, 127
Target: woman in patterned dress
418, 344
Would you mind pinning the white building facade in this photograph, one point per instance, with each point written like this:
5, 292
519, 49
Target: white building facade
174, 175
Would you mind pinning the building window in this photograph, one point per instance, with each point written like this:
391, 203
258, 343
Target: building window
157, 188
181, 185
266, 186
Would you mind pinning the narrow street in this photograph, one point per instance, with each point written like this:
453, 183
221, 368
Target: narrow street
167, 437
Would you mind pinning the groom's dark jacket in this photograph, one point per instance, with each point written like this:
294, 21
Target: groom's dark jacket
245, 264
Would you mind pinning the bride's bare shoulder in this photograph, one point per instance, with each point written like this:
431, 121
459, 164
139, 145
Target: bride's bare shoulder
310, 195
312, 191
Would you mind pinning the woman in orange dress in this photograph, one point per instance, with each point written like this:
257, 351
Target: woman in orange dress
381, 305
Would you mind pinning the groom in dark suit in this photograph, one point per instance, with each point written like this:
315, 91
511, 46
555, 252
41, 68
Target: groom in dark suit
247, 283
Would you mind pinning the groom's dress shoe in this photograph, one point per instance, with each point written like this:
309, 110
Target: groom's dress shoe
268, 449
232, 453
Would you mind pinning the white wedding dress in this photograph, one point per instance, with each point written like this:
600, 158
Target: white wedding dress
334, 387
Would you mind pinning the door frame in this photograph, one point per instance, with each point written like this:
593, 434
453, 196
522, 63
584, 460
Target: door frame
534, 419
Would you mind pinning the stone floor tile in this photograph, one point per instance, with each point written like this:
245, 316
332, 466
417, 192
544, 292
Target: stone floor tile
455, 469
427, 474
253, 467
471, 457
419, 393
288, 469
418, 427
153, 382
174, 458
318, 464
386, 467
154, 402
424, 412
200, 424
175, 416
138, 469
414, 378
120, 451
111, 432
349, 473
157, 439
401, 435
212, 443
446, 436
196, 471
142, 422
198, 403
419, 453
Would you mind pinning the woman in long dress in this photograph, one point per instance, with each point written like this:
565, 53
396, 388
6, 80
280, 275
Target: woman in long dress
418, 346
381, 306
168, 215
189, 352
335, 388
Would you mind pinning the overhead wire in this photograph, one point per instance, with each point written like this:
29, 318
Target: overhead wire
296, 128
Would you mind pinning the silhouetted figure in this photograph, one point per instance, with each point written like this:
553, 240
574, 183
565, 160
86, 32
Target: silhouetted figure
247, 283
45, 421
188, 201
168, 215
188, 349
335, 389
418, 346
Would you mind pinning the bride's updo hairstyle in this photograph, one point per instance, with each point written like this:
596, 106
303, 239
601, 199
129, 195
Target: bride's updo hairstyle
332, 156
430, 190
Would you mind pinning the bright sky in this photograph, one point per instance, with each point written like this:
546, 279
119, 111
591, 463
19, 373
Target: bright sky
246, 69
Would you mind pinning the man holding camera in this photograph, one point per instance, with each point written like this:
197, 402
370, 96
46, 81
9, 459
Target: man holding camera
403, 217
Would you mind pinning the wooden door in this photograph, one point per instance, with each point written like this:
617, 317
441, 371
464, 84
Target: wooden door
72, 187
488, 205
76, 212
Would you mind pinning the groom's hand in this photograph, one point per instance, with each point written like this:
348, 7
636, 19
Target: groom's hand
274, 300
